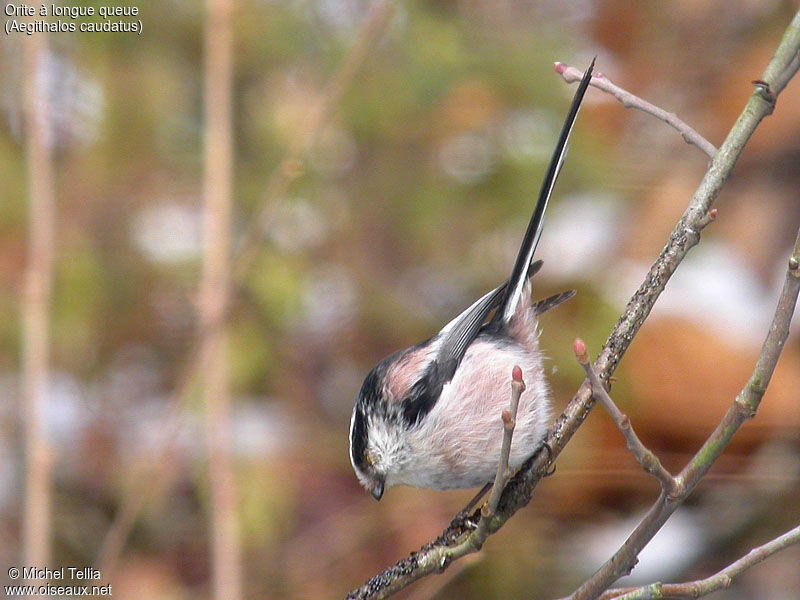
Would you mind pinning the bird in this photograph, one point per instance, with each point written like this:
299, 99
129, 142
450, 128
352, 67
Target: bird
429, 416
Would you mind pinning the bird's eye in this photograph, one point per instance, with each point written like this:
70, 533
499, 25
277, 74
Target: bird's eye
368, 458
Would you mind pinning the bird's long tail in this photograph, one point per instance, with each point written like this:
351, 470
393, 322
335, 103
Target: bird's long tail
516, 283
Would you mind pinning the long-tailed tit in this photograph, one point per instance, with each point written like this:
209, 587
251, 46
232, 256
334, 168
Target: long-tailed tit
429, 416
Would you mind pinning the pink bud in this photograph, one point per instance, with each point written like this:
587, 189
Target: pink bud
579, 348
516, 373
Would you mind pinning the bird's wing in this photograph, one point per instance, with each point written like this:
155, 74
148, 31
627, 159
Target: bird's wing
450, 344
454, 339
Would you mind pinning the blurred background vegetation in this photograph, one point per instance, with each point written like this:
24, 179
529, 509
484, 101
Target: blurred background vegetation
409, 204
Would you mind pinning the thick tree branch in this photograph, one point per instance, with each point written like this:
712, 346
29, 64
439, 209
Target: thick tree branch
628, 100
436, 555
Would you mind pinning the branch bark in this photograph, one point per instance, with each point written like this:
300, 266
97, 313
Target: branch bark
436, 555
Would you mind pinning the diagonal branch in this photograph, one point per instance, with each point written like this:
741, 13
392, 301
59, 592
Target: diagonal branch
703, 587
743, 407
628, 100
436, 555
643, 455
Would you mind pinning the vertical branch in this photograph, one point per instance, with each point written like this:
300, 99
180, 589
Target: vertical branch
36, 527
214, 298
154, 479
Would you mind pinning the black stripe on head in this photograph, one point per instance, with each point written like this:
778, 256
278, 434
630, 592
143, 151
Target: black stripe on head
369, 401
358, 438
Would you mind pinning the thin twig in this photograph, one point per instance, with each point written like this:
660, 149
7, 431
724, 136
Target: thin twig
628, 100
35, 305
720, 580
743, 407
643, 455
436, 555
509, 418
214, 299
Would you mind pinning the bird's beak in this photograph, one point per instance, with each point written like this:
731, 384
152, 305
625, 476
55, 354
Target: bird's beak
377, 490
